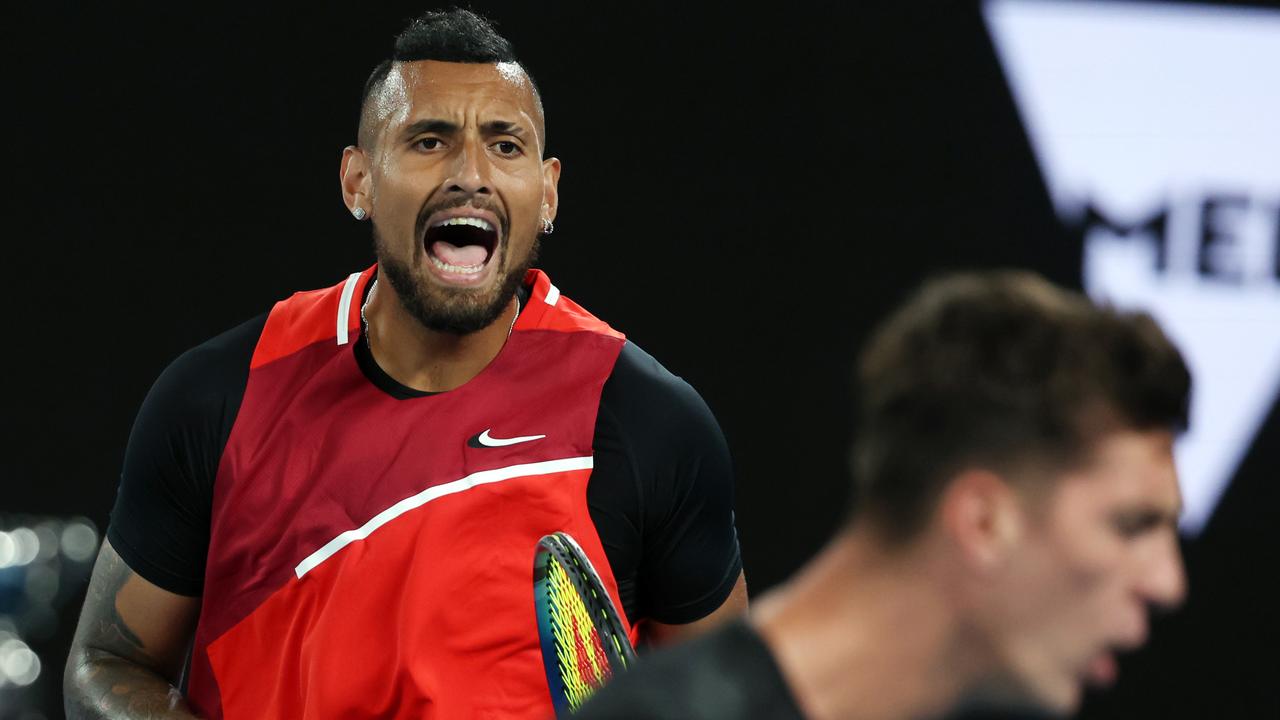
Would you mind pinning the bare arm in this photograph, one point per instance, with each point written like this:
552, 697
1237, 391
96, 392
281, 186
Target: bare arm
129, 647
734, 606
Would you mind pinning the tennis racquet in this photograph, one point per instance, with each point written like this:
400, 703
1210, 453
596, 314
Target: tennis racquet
583, 640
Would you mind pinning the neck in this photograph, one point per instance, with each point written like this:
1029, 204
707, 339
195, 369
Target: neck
865, 633
424, 359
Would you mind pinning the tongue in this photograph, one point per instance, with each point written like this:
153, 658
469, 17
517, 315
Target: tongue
465, 256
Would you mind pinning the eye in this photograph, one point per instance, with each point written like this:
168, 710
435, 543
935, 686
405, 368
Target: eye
428, 143
507, 148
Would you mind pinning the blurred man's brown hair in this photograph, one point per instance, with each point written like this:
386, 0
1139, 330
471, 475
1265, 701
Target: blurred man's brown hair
1003, 371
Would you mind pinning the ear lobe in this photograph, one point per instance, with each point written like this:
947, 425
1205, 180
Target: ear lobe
981, 515
353, 175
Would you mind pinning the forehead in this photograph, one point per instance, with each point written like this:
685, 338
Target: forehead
1127, 469
446, 90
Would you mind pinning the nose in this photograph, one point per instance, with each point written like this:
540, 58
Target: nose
469, 174
1164, 584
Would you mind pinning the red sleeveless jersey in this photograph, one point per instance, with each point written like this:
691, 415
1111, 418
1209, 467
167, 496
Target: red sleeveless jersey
365, 561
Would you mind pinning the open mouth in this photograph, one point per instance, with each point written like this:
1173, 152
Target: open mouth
461, 246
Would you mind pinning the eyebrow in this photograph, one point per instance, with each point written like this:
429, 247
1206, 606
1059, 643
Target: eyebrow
502, 127
445, 127
439, 127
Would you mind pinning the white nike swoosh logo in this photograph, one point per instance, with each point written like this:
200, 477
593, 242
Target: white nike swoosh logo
489, 441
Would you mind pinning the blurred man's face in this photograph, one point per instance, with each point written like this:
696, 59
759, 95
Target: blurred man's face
1096, 554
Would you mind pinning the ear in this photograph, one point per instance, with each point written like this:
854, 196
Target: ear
550, 187
983, 516
355, 180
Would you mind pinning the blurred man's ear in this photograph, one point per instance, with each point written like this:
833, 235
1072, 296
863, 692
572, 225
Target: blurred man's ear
983, 516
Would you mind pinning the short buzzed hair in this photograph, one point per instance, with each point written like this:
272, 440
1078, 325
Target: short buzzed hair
454, 35
998, 370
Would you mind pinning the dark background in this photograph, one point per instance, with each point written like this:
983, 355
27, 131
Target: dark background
744, 194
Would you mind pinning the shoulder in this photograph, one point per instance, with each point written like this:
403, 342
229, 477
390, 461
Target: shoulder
233, 347
204, 376
641, 392
312, 316
727, 673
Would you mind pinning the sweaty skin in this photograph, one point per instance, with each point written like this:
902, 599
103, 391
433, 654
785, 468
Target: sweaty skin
441, 138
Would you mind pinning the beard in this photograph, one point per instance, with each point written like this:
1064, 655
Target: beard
458, 311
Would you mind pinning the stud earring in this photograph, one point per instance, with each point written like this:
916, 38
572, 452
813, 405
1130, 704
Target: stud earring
359, 213
548, 227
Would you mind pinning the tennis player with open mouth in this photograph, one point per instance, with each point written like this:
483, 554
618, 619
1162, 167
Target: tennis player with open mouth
333, 509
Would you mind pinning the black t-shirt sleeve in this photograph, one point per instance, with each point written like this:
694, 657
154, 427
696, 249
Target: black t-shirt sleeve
160, 522
662, 494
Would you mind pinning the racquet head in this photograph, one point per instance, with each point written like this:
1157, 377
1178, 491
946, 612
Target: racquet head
584, 641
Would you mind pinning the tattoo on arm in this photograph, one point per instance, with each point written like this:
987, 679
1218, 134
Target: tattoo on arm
111, 673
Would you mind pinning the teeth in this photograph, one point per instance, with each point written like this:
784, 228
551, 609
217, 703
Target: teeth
460, 269
473, 222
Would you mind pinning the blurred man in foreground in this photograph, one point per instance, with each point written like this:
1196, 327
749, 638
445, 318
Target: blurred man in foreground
1015, 522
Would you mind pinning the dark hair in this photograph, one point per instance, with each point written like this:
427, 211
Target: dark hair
454, 35
999, 370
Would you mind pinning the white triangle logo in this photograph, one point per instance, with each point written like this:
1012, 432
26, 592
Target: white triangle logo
1155, 128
